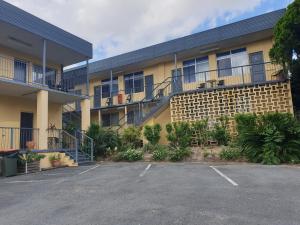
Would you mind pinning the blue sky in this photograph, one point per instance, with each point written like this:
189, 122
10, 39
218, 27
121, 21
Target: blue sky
118, 26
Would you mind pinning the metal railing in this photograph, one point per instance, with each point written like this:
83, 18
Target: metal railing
19, 138
59, 139
25, 72
85, 145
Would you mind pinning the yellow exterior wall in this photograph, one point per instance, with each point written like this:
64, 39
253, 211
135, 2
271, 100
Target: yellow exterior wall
161, 71
163, 119
8, 55
11, 108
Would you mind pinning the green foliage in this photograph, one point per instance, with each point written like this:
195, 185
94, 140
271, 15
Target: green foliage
129, 155
230, 153
31, 157
104, 139
201, 131
287, 36
160, 153
152, 133
179, 154
220, 132
131, 137
272, 138
179, 134
54, 157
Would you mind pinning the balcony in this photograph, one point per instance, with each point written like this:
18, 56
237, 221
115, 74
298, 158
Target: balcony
24, 72
207, 80
13, 139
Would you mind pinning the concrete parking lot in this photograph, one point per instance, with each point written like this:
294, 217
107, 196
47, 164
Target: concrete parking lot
166, 193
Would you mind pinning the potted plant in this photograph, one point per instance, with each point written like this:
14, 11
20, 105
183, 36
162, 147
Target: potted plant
31, 161
55, 160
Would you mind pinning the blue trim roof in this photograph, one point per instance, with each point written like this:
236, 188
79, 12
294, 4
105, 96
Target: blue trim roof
26, 21
206, 38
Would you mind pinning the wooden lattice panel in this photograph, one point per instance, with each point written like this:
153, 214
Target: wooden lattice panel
258, 99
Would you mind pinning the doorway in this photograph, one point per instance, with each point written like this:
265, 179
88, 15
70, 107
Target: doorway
26, 129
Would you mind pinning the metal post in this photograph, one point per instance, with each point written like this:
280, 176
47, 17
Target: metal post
87, 79
175, 61
44, 60
243, 76
76, 149
111, 80
92, 150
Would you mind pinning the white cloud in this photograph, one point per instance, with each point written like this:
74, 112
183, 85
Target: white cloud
118, 26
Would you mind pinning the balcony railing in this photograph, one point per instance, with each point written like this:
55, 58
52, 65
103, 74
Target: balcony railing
212, 79
25, 72
18, 138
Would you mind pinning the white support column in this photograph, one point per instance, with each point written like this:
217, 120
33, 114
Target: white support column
44, 60
42, 118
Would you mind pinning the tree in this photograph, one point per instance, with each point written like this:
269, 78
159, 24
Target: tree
286, 47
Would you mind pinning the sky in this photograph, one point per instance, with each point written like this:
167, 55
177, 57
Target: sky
119, 26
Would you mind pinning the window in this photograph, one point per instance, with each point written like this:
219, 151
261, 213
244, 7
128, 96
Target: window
230, 63
106, 87
196, 70
132, 116
111, 119
134, 82
37, 75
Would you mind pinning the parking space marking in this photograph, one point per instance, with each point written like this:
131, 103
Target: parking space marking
83, 172
25, 181
145, 170
224, 176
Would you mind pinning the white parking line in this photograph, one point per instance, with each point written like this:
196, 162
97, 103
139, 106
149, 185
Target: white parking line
25, 181
89, 170
224, 176
145, 170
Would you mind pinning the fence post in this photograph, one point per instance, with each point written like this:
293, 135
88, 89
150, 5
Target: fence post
76, 150
243, 75
92, 150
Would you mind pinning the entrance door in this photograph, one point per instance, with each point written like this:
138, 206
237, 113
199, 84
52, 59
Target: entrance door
176, 81
149, 86
20, 69
26, 129
258, 74
97, 96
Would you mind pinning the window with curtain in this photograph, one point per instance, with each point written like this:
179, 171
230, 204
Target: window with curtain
134, 82
196, 70
230, 63
106, 87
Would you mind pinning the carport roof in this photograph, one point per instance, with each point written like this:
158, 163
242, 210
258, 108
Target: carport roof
18, 22
251, 29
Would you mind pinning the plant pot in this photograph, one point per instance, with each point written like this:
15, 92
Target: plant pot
55, 163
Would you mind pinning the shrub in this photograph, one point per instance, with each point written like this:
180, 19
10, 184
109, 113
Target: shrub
131, 137
272, 138
152, 133
31, 157
220, 132
179, 134
230, 154
179, 154
200, 128
104, 139
129, 155
160, 153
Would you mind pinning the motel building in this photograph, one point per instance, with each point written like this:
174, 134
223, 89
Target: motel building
221, 71
33, 92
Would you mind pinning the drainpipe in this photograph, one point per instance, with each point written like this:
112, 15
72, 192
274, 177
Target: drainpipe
44, 60
175, 62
